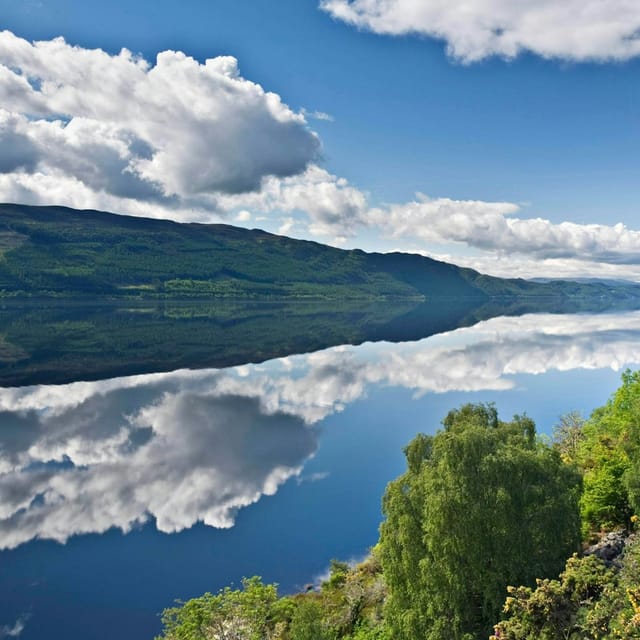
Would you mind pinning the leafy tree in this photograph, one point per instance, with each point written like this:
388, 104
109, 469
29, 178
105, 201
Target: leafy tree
352, 598
338, 572
483, 504
568, 434
379, 632
609, 455
307, 622
251, 613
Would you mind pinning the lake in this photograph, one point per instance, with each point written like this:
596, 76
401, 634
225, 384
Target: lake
153, 452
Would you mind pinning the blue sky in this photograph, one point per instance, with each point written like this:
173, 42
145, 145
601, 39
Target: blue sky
506, 116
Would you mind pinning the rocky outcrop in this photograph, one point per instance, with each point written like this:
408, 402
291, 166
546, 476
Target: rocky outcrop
610, 548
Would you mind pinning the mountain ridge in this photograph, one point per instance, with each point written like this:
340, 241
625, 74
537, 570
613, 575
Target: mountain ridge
60, 252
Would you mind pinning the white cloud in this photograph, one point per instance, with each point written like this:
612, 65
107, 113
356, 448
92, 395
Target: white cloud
324, 205
318, 115
576, 30
491, 226
332, 207
178, 139
313, 477
505, 266
15, 630
286, 226
116, 130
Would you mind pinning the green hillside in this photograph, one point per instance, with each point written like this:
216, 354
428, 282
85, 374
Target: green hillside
56, 251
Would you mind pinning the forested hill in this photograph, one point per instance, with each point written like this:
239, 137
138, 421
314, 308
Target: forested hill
59, 251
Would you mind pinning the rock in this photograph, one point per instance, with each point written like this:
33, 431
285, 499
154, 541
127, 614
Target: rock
610, 548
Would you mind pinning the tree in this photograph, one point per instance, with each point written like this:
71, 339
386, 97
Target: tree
352, 599
609, 456
251, 613
483, 504
568, 434
307, 622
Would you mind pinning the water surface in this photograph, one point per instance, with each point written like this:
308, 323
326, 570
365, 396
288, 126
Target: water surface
119, 495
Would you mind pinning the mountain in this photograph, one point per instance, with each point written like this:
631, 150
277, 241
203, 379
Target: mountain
61, 252
610, 282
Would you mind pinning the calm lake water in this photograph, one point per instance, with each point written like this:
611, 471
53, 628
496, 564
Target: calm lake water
120, 493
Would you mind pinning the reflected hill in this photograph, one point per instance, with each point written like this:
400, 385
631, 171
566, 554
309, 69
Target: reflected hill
55, 342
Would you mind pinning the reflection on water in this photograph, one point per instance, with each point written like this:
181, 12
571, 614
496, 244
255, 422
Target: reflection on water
44, 343
192, 446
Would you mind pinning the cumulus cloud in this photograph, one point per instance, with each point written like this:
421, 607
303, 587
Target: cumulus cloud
332, 207
176, 139
197, 446
491, 226
117, 130
576, 30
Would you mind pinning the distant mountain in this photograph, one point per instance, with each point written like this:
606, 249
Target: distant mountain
62, 252
610, 282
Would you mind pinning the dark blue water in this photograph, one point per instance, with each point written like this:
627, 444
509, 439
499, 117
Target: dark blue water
119, 496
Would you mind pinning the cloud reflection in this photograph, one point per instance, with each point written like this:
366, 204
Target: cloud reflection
197, 446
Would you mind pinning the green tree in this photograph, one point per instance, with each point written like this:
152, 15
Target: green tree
352, 598
252, 613
609, 456
308, 620
568, 434
483, 504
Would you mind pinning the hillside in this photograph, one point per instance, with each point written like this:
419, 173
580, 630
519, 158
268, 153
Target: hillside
56, 251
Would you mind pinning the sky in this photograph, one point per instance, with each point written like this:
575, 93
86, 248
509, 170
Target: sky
498, 135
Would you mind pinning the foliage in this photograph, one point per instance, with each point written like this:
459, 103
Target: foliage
352, 598
483, 504
251, 613
588, 602
568, 434
558, 608
627, 623
348, 606
609, 456
307, 622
